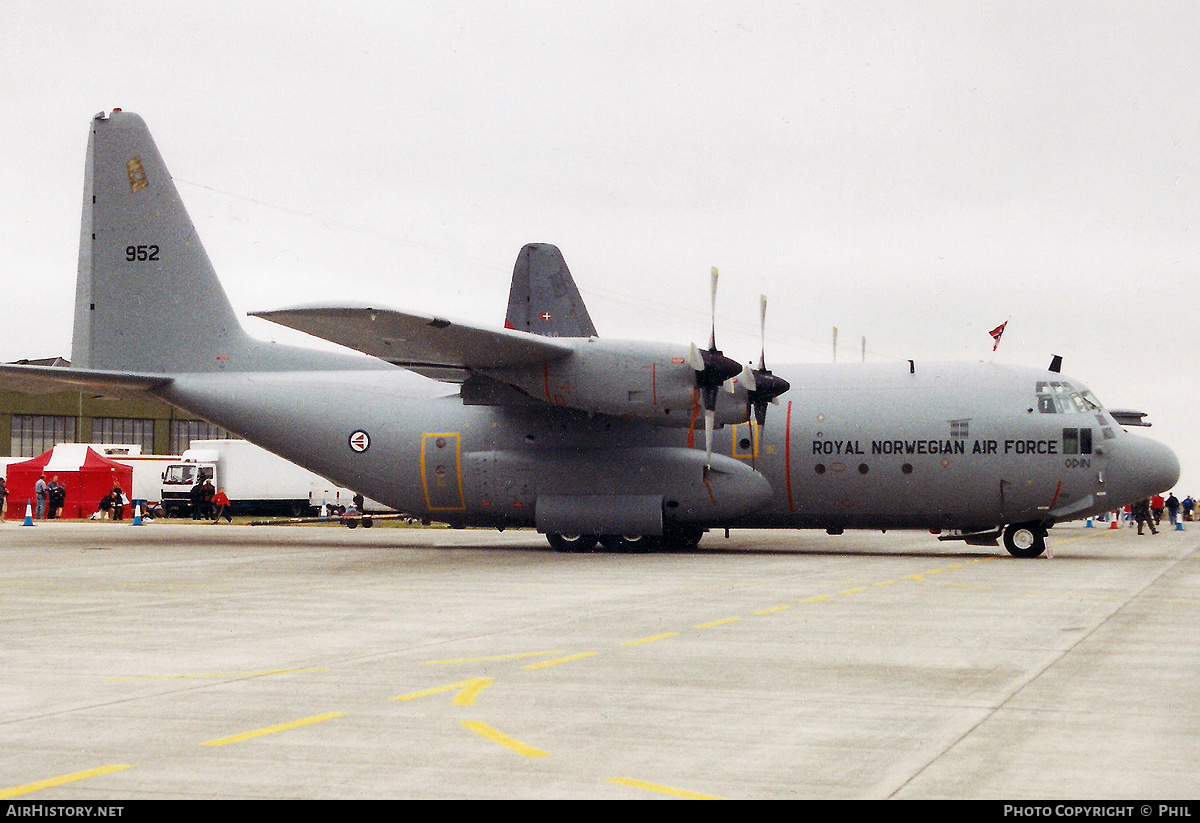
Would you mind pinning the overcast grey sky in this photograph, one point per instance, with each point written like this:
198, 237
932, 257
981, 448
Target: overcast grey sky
912, 173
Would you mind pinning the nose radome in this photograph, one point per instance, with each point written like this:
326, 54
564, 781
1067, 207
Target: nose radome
1154, 465
1168, 466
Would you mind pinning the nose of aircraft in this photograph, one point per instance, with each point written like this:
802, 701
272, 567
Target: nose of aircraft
1148, 467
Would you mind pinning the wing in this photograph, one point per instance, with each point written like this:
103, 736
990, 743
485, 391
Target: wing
432, 346
50, 379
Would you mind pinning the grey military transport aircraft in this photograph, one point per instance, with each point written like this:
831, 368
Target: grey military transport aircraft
544, 423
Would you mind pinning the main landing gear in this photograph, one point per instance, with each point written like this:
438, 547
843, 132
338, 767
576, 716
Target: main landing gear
674, 538
572, 542
1025, 539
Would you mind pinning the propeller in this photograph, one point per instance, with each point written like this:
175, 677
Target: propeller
762, 387
712, 369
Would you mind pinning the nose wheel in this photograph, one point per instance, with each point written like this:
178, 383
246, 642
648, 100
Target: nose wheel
1025, 539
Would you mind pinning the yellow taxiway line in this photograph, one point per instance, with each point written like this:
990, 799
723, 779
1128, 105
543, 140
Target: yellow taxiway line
28, 788
654, 787
651, 639
717, 623
282, 727
468, 691
497, 736
558, 660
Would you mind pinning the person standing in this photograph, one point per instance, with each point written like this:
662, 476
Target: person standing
220, 504
51, 493
3, 499
196, 496
207, 505
41, 493
1173, 509
1157, 504
57, 497
1144, 517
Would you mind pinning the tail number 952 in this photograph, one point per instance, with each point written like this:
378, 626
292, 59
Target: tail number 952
140, 254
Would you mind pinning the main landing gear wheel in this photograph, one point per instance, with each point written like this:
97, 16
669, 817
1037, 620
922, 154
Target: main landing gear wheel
632, 543
681, 538
1025, 539
572, 542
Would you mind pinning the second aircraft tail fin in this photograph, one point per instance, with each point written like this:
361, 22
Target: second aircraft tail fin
543, 298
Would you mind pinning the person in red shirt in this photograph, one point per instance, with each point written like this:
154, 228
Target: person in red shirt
1157, 504
220, 506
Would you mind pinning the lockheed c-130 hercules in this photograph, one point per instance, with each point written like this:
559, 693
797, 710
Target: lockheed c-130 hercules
544, 423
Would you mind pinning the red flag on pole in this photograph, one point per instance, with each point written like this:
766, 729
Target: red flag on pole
996, 332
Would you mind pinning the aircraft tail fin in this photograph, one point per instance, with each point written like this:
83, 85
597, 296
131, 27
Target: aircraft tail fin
147, 298
543, 298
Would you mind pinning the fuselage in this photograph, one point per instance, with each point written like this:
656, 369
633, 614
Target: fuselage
935, 445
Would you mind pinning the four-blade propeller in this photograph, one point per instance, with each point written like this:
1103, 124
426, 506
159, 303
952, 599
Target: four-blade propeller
762, 387
712, 370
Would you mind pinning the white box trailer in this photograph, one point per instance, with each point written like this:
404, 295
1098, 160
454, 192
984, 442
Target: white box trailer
255, 480
147, 468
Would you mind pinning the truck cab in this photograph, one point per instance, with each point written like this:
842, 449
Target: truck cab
178, 479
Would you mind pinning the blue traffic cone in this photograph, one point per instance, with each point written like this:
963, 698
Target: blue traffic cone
137, 514
1088, 524
28, 514
1178, 525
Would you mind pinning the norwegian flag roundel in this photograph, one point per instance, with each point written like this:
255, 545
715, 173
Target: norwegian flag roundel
360, 441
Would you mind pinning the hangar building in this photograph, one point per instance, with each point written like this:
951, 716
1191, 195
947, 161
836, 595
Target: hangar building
33, 423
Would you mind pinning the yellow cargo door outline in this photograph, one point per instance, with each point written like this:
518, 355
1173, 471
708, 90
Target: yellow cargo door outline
443, 490
737, 452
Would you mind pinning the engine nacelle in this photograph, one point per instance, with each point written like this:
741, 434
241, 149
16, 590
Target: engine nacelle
650, 381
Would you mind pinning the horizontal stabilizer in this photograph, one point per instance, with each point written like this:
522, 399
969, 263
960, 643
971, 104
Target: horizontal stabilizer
419, 342
1129, 417
50, 379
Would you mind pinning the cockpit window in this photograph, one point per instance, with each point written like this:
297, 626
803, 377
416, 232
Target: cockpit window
1060, 397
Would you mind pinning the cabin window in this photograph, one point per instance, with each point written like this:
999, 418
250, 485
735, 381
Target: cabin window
1077, 441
